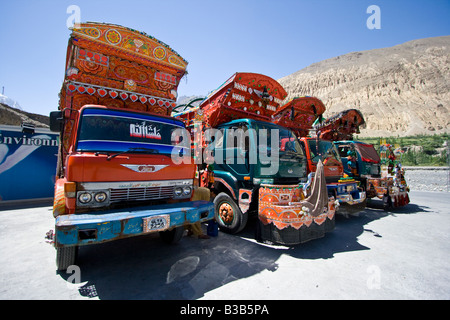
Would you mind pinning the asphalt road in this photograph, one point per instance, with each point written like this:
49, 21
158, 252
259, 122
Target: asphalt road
378, 255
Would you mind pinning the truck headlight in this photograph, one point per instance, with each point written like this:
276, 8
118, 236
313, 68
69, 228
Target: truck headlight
178, 191
187, 190
93, 198
100, 197
84, 197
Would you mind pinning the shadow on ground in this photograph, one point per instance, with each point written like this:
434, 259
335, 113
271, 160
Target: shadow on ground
146, 268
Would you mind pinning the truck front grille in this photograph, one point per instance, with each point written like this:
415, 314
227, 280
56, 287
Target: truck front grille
141, 194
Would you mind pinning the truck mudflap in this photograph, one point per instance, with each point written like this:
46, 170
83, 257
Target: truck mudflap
288, 222
102, 226
400, 199
395, 199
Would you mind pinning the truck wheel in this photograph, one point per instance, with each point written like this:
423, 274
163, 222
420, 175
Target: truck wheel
172, 236
65, 257
228, 215
387, 202
258, 232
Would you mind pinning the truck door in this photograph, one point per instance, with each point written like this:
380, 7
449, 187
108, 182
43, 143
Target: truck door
343, 152
236, 151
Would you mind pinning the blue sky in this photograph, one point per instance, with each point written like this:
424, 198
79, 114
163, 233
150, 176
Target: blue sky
217, 38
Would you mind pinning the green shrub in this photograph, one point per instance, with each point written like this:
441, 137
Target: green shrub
428, 157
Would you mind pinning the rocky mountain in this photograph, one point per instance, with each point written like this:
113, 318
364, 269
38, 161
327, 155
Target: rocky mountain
15, 117
187, 99
401, 90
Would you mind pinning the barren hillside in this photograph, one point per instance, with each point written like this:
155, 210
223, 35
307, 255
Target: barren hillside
15, 117
401, 90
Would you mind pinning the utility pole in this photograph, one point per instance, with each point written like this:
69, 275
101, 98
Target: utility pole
3, 90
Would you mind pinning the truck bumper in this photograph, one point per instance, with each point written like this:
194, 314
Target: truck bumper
293, 228
284, 222
102, 226
352, 198
352, 203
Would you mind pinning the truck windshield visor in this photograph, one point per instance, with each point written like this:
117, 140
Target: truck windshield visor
326, 149
104, 130
367, 152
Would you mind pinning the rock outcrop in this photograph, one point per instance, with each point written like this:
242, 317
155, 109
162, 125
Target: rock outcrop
15, 117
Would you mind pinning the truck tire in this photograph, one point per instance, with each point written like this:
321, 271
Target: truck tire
172, 236
387, 202
228, 215
258, 232
65, 257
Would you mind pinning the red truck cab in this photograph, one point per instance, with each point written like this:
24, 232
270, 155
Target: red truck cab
317, 149
346, 190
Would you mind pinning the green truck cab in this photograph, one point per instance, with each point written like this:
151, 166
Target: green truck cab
256, 166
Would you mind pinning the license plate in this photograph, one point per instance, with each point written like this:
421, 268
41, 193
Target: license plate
156, 223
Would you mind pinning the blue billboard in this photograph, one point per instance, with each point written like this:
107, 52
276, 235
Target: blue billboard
27, 163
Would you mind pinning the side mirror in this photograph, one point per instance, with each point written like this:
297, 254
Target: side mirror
56, 120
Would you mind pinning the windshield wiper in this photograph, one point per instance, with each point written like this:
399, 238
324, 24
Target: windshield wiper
147, 150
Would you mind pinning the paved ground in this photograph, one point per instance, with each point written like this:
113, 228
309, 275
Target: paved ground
378, 255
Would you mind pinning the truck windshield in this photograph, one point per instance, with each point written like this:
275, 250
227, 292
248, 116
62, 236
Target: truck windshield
326, 150
104, 130
287, 141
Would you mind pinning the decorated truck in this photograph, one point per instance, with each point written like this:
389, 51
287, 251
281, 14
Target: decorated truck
255, 165
361, 161
115, 175
380, 177
300, 114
